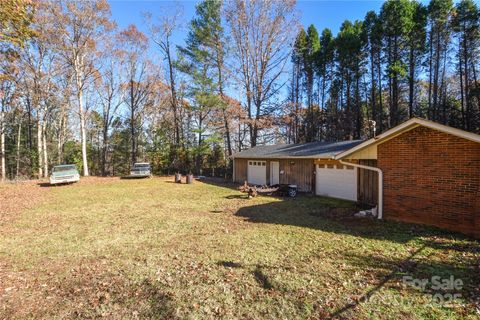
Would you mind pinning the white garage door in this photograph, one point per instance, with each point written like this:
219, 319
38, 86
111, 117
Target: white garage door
257, 172
337, 182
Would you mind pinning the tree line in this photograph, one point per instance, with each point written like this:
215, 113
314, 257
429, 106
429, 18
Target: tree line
76, 88
408, 60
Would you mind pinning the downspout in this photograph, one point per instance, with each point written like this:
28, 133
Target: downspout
380, 183
233, 168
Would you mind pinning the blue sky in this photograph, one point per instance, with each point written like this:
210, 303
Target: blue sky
323, 14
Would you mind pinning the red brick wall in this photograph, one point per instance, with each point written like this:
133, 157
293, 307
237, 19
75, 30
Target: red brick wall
433, 178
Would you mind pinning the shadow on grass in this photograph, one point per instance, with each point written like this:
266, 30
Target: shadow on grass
258, 273
229, 264
132, 178
237, 196
160, 304
48, 185
262, 279
220, 182
45, 185
419, 268
401, 266
335, 216
326, 214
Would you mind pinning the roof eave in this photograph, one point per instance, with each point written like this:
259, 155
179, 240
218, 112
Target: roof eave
283, 157
407, 126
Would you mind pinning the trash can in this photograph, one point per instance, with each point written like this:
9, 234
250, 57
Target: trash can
292, 190
178, 178
189, 178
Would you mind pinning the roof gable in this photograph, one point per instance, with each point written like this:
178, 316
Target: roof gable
407, 126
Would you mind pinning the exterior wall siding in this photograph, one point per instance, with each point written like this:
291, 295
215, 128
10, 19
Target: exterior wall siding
368, 183
240, 174
295, 171
432, 178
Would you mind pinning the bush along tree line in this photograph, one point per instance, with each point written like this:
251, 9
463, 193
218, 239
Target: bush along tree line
76, 88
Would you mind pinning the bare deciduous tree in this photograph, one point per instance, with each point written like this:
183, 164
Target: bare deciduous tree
79, 26
262, 31
138, 81
161, 34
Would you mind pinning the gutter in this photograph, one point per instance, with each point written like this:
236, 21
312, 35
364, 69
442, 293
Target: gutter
380, 183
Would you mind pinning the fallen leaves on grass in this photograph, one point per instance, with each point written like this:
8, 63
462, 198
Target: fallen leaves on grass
15, 198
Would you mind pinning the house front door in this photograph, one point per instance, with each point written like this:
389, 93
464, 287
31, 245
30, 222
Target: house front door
274, 172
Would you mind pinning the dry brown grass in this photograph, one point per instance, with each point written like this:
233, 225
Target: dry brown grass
154, 249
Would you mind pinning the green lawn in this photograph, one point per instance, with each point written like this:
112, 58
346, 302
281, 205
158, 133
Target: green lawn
154, 249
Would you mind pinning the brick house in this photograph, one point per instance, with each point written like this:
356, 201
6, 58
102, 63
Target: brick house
431, 174
419, 171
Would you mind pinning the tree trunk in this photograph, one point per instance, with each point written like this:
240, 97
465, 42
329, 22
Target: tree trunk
466, 92
132, 124
255, 128
83, 130
324, 84
372, 65
357, 127
30, 135
104, 151
430, 70
411, 83
3, 170
173, 94
348, 110
435, 77
254, 134
200, 141
220, 90
380, 98
83, 134
443, 87
19, 135
227, 133
395, 94
297, 103
45, 150
462, 96
61, 135
40, 149
251, 124
390, 93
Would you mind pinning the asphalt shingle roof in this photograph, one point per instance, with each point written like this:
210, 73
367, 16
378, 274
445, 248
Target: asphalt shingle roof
301, 150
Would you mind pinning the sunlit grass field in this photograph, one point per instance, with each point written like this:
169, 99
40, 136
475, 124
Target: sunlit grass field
151, 248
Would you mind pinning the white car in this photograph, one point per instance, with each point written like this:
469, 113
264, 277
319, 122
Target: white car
141, 170
66, 173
